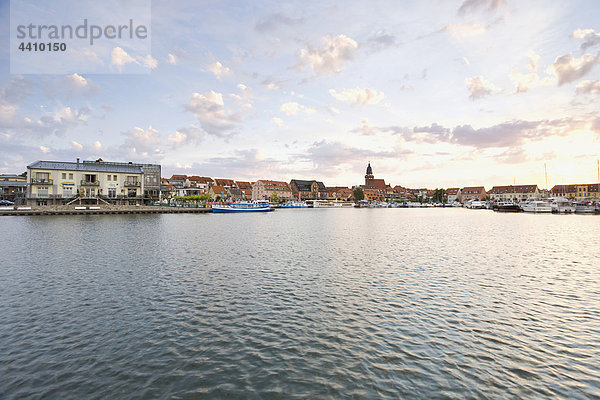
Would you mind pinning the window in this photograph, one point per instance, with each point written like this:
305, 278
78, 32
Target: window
70, 176
114, 178
64, 175
108, 177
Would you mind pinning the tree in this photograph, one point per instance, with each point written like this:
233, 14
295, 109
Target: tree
438, 195
274, 198
359, 194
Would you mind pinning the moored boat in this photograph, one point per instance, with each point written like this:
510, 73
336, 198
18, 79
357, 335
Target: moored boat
536, 206
243, 206
295, 204
562, 206
506, 206
585, 207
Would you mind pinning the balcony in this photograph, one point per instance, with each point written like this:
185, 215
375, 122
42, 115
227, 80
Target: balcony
35, 181
90, 183
133, 184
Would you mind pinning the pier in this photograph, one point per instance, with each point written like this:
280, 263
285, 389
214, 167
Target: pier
91, 210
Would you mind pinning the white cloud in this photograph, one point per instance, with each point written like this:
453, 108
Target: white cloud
293, 108
466, 29
189, 135
589, 36
568, 69
172, 59
358, 96
479, 87
76, 146
120, 58
331, 57
44, 149
149, 61
219, 69
210, 111
588, 87
333, 110
77, 81
278, 121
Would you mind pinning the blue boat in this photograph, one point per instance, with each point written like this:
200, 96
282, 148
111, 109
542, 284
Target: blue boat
243, 206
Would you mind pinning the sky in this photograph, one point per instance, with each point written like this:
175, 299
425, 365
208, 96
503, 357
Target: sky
433, 94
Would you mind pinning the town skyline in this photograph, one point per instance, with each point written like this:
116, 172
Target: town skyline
433, 94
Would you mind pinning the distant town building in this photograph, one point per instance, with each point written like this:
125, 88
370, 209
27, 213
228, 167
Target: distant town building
245, 188
263, 190
513, 192
339, 193
218, 191
226, 183
472, 193
201, 182
452, 195
308, 190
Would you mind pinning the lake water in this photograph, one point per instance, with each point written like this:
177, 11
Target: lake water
323, 303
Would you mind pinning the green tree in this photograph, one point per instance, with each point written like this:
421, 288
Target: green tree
274, 198
438, 195
358, 193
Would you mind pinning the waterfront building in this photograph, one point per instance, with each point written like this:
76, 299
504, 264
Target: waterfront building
308, 189
201, 182
566, 191
372, 195
226, 183
339, 193
179, 181
263, 190
93, 182
218, 191
13, 188
514, 192
246, 188
472, 193
452, 195
151, 177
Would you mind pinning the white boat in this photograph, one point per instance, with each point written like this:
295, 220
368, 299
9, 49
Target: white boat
585, 207
320, 203
561, 205
536, 206
295, 204
243, 206
476, 205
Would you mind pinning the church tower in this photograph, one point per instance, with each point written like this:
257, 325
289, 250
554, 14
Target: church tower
369, 177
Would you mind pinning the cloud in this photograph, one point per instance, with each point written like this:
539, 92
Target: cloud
381, 41
148, 61
140, 145
188, 135
219, 70
331, 57
330, 155
466, 29
275, 21
479, 87
120, 58
214, 118
568, 69
172, 59
17, 90
588, 88
76, 146
293, 108
358, 96
469, 6
589, 36
333, 110
278, 121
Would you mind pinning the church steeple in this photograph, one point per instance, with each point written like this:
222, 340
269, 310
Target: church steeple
369, 176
